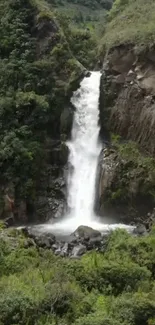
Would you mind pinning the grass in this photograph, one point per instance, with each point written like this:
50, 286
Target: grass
132, 23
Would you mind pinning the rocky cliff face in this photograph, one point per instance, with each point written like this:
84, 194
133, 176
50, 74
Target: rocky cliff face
127, 102
126, 185
127, 111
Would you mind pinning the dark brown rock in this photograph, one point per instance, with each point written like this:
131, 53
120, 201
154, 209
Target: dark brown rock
78, 251
121, 193
124, 105
140, 230
86, 232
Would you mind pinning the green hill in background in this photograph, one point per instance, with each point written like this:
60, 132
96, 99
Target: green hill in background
130, 21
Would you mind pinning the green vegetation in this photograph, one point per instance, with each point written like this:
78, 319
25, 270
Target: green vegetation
85, 22
93, 4
44, 51
81, 12
82, 42
36, 78
114, 287
134, 181
130, 21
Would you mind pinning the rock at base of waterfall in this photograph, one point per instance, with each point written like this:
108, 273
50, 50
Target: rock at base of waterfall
84, 239
65, 250
44, 240
86, 232
78, 251
140, 230
9, 222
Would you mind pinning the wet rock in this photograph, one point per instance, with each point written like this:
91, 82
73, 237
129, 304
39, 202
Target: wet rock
87, 73
66, 120
120, 178
95, 242
64, 250
29, 242
120, 79
43, 242
54, 247
59, 154
50, 199
9, 221
58, 250
25, 231
86, 232
72, 239
70, 246
53, 201
78, 251
140, 230
42, 239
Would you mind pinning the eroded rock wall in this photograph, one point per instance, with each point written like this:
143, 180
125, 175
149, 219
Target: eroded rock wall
127, 114
127, 101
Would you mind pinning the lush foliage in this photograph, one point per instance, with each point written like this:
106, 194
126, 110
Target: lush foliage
134, 181
114, 287
43, 52
36, 77
106, 4
85, 15
82, 41
130, 21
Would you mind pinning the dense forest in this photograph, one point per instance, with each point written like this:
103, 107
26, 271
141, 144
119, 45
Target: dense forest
38, 72
43, 55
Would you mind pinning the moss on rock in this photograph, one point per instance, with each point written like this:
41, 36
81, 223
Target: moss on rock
127, 182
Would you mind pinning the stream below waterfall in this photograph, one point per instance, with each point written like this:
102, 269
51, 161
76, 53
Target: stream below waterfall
84, 148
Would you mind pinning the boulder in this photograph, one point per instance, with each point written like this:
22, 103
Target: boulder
65, 250
78, 251
29, 242
95, 242
42, 239
140, 230
86, 232
58, 250
9, 221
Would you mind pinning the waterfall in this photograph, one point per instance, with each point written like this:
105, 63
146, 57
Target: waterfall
84, 150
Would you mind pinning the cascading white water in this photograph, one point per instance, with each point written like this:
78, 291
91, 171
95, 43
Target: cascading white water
83, 158
84, 150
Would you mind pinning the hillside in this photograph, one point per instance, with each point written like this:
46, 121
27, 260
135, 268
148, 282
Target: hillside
83, 24
38, 74
130, 21
84, 13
